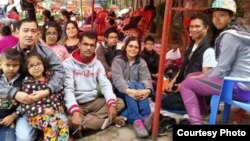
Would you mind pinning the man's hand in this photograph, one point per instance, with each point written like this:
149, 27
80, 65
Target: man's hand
24, 98
8, 120
77, 119
112, 113
39, 95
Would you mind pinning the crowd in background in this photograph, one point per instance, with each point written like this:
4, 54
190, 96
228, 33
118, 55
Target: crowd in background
63, 80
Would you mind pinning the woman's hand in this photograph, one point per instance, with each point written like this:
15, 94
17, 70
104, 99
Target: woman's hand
144, 93
133, 93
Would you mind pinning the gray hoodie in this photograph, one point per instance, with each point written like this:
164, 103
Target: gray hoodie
233, 49
82, 82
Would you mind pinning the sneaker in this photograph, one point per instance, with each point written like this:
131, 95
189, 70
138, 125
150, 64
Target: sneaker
166, 125
140, 129
184, 121
147, 121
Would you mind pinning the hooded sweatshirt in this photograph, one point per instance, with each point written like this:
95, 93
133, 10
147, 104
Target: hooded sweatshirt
233, 56
82, 80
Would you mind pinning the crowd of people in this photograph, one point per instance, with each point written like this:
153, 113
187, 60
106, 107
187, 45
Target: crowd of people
63, 82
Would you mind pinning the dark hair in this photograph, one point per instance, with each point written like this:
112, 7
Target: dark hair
149, 38
66, 14
51, 24
5, 30
74, 23
27, 20
124, 53
34, 54
110, 30
46, 13
211, 10
12, 54
14, 26
202, 17
89, 34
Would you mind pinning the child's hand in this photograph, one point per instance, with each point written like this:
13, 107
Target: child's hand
49, 111
61, 109
7, 121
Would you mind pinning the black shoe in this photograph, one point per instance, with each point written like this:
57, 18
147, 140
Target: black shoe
166, 125
184, 121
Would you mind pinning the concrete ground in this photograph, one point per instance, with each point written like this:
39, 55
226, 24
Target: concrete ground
127, 134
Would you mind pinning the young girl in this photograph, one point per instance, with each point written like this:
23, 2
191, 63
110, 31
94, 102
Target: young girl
51, 34
133, 81
47, 113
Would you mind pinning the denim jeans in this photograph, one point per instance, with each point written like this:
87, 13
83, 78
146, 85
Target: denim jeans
7, 133
135, 109
24, 131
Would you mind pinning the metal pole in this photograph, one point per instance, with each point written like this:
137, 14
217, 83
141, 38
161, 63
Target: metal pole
165, 36
81, 11
92, 16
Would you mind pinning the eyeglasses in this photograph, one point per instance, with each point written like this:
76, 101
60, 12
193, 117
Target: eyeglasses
87, 44
33, 66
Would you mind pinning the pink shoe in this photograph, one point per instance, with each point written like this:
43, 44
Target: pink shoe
140, 129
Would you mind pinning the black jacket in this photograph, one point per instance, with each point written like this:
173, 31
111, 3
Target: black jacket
194, 64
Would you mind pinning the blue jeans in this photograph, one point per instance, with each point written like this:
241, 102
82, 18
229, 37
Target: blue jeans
24, 131
135, 109
7, 133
